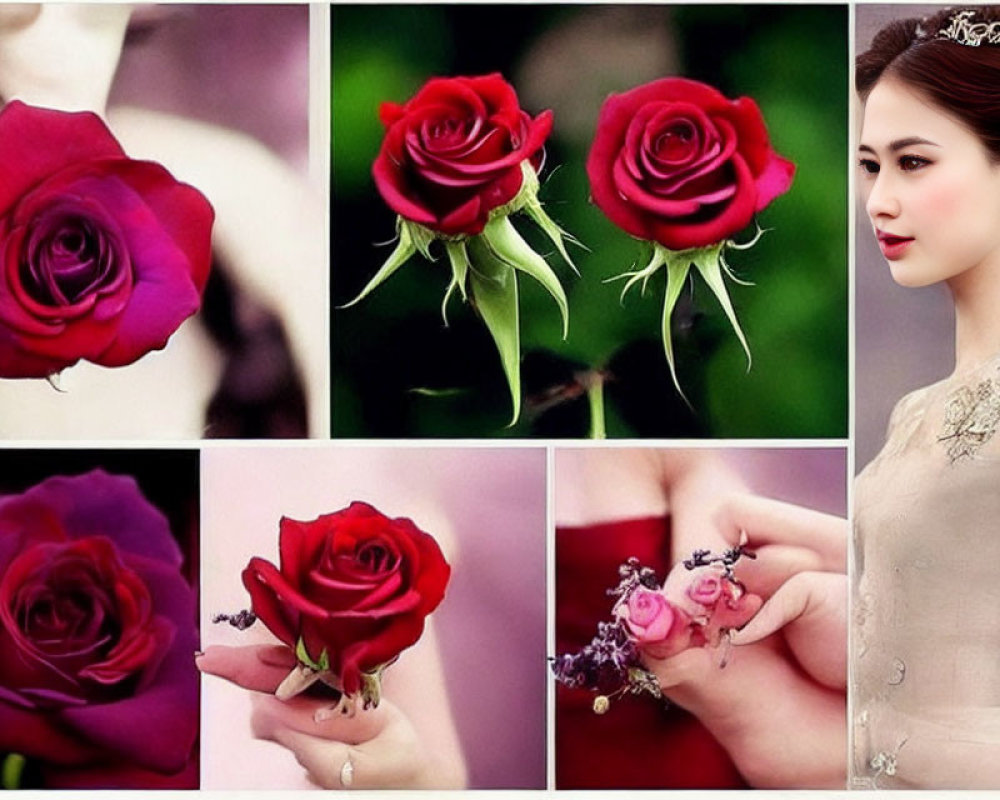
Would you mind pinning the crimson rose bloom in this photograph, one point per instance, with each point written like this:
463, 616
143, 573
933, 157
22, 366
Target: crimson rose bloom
101, 257
675, 162
354, 584
453, 153
97, 628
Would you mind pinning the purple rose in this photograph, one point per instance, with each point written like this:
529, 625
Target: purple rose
97, 633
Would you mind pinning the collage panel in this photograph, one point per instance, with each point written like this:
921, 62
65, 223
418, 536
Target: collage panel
924, 685
99, 579
701, 618
542, 222
321, 566
164, 269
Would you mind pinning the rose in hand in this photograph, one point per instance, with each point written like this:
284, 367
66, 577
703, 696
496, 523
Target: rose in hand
676, 162
96, 633
353, 590
101, 257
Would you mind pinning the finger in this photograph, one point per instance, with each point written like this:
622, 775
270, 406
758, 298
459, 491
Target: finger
788, 604
768, 521
688, 666
260, 668
774, 564
310, 715
810, 610
390, 761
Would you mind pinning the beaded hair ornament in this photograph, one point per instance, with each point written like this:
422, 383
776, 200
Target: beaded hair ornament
962, 29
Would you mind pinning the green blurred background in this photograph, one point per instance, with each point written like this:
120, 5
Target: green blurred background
398, 372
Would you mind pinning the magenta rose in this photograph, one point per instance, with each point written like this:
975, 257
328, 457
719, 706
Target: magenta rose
97, 628
101, 257
676, 162
453, 153
354, 588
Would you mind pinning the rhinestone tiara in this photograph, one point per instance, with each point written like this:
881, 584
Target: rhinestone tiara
961, 29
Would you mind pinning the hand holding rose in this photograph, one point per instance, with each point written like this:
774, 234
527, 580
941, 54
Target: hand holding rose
382, 744
778, 707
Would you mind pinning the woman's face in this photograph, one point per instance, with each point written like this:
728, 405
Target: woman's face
931, 192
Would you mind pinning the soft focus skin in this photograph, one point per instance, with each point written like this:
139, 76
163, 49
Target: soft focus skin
779, 711
391, 747
946, 195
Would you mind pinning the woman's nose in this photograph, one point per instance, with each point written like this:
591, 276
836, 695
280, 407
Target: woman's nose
882, 200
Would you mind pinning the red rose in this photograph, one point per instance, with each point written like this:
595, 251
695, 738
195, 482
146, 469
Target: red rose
675, 162
97, 627
101, 257
355, 585
453, 153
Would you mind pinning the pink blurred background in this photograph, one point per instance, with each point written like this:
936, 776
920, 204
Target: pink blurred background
489, 503
238, 66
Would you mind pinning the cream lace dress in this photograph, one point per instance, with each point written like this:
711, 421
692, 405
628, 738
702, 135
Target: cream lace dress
926, 605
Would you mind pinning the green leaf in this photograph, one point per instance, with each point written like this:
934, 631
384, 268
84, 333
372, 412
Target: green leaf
708, 261
493, 289
507, 245
324, 661
11, 771
405, 248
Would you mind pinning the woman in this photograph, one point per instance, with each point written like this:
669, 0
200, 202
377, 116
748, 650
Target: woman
927, 626
775, 715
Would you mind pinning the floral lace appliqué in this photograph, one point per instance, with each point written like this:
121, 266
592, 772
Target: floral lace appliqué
971, 417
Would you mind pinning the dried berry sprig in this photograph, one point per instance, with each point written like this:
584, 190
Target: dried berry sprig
610, 664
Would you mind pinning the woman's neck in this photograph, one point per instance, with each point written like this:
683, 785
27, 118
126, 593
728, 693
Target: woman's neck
976, 293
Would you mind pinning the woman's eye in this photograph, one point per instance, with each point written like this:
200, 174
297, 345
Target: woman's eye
868, 166
911, 163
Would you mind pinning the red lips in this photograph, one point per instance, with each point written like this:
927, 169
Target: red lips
893, 247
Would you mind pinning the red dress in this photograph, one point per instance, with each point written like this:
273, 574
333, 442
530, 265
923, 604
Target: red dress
640, 743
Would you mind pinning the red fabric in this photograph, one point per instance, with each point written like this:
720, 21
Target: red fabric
639, 743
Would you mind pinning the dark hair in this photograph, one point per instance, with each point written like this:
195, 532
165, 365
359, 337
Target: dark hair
963, 80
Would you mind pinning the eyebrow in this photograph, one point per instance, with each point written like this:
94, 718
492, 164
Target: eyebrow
900, 144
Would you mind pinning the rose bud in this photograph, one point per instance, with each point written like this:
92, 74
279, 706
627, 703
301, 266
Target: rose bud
659, 628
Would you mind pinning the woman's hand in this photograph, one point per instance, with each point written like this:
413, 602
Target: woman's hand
374, 749
778, 707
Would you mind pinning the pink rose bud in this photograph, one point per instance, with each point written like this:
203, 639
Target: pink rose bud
706, 589
649, 616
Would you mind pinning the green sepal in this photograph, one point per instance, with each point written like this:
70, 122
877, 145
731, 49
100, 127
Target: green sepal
710, 263
493, 291
506, 245
533, 208
11, 771
303, 656
413, 239
458, 257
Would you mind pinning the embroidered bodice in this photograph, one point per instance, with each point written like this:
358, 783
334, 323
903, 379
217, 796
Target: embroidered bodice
926, 611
